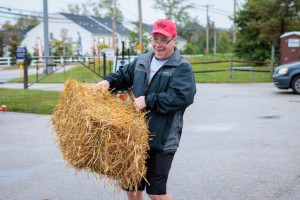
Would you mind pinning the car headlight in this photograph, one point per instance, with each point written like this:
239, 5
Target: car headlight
283, 71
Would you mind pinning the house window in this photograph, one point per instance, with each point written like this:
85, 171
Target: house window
101, 40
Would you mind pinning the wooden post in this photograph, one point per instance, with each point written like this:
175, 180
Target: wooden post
231, 65
25, 72
104, 65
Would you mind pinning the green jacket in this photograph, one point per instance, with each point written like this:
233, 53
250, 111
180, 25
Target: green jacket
170, 92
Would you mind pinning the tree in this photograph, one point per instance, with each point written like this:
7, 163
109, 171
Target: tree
11, 34
1, 44
107, 5
13, 42
26, 23
191, 30
260, 25
190, 49
11, 38
79, 9
102, 8
175, 10
224, 42
57, 48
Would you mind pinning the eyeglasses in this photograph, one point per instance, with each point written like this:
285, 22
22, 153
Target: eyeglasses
161, 43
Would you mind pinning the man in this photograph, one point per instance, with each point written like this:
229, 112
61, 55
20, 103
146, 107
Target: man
163, 83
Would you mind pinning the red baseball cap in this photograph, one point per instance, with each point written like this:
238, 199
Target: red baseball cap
165, 27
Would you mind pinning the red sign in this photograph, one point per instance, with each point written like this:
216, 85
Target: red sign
63, 32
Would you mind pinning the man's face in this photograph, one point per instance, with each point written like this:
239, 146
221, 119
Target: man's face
163, 46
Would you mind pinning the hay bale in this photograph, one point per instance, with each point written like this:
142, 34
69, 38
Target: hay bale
100, 134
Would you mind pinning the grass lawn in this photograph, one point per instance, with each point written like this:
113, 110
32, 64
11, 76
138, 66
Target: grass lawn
29, 101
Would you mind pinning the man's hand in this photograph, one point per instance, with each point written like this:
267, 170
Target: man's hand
139, 103
103, 84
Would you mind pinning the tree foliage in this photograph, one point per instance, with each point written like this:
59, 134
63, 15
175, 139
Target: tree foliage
13, 42
10, 36
26, 23
1, 44
176, 10
102, 8
260, 25
79, 9
191, 30
61, 48
224, 42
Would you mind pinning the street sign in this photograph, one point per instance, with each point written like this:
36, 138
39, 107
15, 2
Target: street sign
110, 53
139, 47
64, 33
20, 52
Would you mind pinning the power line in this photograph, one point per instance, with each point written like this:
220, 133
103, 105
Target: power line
221, 11
212, 10
52, 17
18, 14
8, 17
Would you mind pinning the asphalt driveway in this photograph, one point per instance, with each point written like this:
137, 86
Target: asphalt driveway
240, 142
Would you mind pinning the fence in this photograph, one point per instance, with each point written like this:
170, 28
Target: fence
7, 61
233, 63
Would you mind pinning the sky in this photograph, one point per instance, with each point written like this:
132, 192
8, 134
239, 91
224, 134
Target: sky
219, 10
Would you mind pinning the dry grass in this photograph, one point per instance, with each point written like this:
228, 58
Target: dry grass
100, 134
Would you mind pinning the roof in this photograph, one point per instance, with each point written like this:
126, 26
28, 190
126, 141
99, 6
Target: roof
96, 25
290, 33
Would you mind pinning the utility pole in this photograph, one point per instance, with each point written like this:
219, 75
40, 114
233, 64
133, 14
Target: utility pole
140, 26
46, 38
114, 26
234, 24
215, 39
207, 30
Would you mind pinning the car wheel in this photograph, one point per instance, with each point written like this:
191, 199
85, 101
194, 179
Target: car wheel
296, 85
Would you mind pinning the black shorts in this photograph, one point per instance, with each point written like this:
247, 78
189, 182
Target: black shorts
158, 167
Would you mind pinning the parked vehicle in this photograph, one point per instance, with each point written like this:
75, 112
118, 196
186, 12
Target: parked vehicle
288, 76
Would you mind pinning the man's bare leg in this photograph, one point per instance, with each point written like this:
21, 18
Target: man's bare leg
135, 195
160, 197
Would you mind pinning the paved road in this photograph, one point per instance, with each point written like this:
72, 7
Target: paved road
240, 142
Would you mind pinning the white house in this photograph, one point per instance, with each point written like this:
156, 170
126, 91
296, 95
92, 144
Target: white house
181, 42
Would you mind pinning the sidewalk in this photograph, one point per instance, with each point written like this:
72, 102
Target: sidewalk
36, 86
